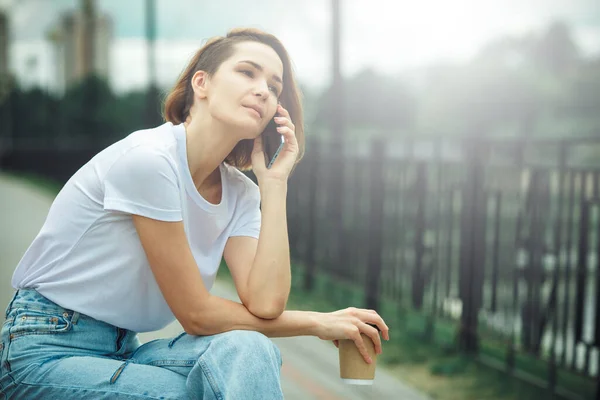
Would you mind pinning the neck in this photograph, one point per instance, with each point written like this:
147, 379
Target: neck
208, 142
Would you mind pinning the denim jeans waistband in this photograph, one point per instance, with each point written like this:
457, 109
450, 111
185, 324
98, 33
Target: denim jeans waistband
32, 299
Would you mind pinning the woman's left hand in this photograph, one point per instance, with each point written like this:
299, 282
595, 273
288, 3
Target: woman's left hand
281, 168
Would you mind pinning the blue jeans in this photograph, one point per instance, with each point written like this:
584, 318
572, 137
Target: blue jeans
48, 352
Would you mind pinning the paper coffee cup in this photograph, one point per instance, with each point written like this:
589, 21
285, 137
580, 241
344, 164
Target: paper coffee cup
354, 369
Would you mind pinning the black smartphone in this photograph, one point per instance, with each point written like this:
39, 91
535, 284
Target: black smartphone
273, 142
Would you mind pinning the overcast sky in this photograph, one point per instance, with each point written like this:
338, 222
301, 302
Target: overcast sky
389, 35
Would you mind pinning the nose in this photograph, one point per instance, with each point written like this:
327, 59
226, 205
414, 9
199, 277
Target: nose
262, 90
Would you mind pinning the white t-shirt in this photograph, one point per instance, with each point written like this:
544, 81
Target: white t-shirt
88, 256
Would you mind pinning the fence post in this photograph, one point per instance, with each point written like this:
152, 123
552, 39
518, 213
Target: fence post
472, 245
420, 275
537, 210
558, 245
373, 273
598, 387
311, 210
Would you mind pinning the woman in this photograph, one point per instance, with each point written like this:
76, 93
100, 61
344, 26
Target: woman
134, 239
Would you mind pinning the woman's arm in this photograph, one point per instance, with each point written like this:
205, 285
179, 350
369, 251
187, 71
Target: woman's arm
261, 271
201, 313
261, 268
270, 277
226, 315
343, 324
180, 282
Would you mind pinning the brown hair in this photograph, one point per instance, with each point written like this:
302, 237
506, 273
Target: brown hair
209, 58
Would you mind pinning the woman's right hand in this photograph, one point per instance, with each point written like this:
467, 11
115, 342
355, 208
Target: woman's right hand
349, 323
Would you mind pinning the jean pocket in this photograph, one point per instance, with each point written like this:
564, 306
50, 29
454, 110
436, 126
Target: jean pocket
33, 322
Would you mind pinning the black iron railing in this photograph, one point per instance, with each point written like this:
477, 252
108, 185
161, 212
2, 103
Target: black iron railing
500, 236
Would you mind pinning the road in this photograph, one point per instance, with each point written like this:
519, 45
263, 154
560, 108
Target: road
310, 366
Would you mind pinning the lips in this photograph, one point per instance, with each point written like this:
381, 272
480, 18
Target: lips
257, 109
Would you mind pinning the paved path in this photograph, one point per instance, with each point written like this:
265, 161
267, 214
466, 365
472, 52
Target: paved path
310, 365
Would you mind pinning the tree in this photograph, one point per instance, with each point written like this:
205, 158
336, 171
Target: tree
555, 50
88, 109
513, 86
33, 115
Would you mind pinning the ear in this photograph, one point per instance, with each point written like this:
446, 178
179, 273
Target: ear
200, 84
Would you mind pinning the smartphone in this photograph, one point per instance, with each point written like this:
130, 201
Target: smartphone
273, 142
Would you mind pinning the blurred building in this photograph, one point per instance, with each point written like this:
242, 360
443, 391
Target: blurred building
3, 44
81, 42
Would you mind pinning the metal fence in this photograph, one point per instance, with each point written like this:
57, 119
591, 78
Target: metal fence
500, 236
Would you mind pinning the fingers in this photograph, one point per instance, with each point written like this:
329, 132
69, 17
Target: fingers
336, 343
373, 334
378, 323
282, 121
287, 133
283, 112
371, 317
362, 348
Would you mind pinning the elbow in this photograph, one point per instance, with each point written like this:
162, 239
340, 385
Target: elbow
270, 310
193, 329
194, 324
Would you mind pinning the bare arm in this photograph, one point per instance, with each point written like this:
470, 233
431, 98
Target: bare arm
180, 282
261, 271
261, 268
201, 313
227, 315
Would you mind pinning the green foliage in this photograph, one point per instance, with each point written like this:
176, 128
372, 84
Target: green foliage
450, 367
49, 186
91, 94
409, 350
88, 111
33, 112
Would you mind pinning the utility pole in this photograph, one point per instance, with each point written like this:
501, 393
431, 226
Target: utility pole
89, 38
152, 100
6, 86
336, 145
151, 39
337, 88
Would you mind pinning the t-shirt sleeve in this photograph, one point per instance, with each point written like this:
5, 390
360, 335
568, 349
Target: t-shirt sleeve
144, 182
248, 222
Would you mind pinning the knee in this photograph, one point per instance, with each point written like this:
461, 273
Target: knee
253, 345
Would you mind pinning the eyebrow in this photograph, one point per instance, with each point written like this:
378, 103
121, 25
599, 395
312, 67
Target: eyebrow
260, 68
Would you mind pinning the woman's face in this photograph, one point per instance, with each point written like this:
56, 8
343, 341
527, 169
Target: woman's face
244, 91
